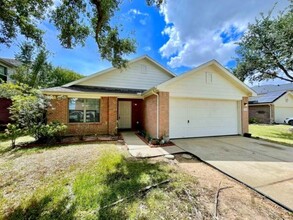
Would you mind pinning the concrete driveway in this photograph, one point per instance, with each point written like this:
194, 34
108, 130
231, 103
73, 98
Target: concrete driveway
266, 167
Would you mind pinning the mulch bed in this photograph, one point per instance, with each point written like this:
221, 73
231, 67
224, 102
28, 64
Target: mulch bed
170, 143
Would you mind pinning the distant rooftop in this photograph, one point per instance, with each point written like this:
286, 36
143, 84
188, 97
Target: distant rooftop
272, 88
266, 98
10, 62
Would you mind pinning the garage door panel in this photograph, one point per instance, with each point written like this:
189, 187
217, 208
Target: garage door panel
206, 118
281, 113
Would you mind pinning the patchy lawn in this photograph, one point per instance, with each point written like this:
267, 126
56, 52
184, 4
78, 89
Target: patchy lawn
275, 133
85, 181
80, 181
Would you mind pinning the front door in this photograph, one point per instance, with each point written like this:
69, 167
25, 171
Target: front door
124, 115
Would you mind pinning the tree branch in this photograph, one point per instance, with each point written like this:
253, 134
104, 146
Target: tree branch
280, 77
101, 18
277, 62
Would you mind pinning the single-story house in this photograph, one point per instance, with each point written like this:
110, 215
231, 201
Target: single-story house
205, 101
271, 107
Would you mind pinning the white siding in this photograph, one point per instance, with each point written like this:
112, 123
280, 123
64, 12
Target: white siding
208, 83
283, 108
139, 75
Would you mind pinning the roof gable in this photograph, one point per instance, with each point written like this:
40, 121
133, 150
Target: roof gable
228, 81
141, 73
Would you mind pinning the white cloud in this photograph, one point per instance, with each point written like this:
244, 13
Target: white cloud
135, 12
194, 28
147, 48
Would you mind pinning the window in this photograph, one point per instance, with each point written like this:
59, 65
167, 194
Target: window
84, 110
3, 73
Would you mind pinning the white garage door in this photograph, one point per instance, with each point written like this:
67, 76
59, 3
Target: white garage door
281, 113
199, 118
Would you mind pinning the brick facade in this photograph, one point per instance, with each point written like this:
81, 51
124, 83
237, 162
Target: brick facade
108, 117
164, 113
244, 115
150, 115
261, 113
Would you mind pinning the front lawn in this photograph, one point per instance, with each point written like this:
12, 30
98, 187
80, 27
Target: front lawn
275, 133
84, 181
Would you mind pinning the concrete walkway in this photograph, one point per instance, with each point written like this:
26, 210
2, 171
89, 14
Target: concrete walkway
137, 148
264, 166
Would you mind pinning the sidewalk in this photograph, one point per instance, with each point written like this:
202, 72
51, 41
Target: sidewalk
137, 148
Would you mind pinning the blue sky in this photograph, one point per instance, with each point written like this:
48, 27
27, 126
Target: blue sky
180, 35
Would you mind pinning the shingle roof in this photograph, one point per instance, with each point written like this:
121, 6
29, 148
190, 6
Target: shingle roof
78, 89
266, 98
11, 62
272, 88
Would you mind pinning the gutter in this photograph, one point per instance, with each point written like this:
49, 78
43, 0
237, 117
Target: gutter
156, 94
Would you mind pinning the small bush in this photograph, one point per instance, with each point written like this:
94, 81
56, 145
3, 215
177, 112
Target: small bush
253, 121
12, 132
50, 133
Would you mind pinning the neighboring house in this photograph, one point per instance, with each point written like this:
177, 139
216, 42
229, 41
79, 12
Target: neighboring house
273, 104
206, 101
7, 67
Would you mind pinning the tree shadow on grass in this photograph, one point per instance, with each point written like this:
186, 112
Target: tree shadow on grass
42, 209
130, 177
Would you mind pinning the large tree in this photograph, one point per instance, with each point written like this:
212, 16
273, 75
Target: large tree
37, 72
266, 49
74, 19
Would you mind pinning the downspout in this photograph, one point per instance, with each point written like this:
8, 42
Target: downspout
271, 118
154, 93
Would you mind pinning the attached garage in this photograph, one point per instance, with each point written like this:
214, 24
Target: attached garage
207, 101
200, 117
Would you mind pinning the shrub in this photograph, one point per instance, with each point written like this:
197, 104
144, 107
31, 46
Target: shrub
12, 132
253, 121
50, 133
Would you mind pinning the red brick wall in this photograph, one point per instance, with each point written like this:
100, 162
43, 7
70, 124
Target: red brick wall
164, 113
244, 115
261, 113
108, 117
150, 115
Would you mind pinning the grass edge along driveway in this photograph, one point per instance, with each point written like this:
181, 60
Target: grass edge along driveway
275, 133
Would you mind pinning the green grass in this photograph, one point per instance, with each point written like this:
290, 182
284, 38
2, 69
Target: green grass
86, 193
276, 133
5, 145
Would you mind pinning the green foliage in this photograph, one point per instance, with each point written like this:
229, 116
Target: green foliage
265, 51
37, 72
61, 76
75, 21
28, 113
50, 132
12, 132
22, 17
253, 121
8, 90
